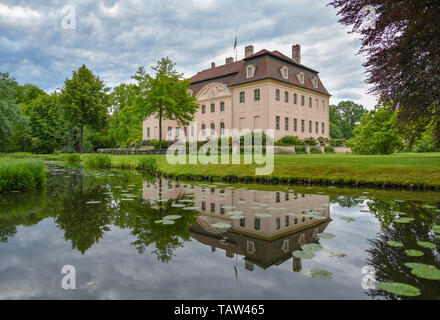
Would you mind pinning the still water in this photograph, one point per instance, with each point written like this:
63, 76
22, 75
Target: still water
130, 236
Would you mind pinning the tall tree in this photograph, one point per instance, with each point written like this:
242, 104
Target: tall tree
164, 96
9, 109
403, 54
344, 117
86, 101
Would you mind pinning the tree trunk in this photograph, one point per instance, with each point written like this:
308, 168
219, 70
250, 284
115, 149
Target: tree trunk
81, 139
160, 128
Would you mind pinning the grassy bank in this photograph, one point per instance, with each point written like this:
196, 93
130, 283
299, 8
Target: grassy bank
417, 170
21, 174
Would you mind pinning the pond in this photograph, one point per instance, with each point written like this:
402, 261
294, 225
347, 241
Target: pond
132, 236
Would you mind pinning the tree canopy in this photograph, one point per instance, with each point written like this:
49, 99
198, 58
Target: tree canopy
344, 117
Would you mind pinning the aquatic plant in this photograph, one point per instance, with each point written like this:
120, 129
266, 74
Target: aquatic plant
21, 175
97, 161
147, 163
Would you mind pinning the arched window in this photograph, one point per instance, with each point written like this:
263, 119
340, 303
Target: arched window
203, 129
222, 128
212, 129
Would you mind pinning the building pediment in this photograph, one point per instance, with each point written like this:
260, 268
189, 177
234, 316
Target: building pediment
213, 91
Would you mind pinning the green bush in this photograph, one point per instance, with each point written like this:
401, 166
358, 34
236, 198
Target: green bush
289, 141
97, 161
155, 144
147, 163
311, 141
300, 149
337, 142
329, 150
70, 157
314, 150
20, 175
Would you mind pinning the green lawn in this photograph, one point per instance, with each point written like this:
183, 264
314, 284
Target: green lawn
419, 169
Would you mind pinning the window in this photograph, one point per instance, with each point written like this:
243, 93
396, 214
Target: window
278, 199
286, 124
250, 247
286, 197
170, 130
277, 123
300, 77
222, 209
212, 207
148, 132
286, 96
315, 82
203, 109
257, 224
212, 107
310, 102
295, 98
185, 131
242, 97
243, 222
316, 127
277, 94
203, 129
203, 205
323, 128
310, 126
286, 221
212, 129
295, 125
278, 221
302, 125
222, 128
222, 107
177, 132
285, 72
303, 101
257, 94
250, 71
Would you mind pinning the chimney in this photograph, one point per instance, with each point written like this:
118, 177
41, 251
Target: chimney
212, 64
296, 53
248, 51
229, 60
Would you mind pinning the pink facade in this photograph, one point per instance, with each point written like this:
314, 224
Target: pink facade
266, 90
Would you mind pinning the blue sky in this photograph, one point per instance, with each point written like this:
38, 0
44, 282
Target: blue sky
114, 37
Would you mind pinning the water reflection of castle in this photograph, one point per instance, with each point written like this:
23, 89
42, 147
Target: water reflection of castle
263, 240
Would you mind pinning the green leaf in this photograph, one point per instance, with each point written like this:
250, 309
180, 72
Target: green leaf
428, 245
414, 253
303, 254
221, 225
427, 272
395, 244
326, 235
317, 273
404, 220
312, 247
400, 289
174, 217
348, 219
414, 265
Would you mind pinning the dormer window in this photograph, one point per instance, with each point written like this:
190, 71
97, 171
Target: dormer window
285, 72
300, 77
250, 71
315, 82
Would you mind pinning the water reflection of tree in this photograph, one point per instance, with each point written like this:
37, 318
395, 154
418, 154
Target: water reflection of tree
346, 202
140, 216
389, 261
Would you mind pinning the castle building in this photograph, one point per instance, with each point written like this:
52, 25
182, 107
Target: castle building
265, 90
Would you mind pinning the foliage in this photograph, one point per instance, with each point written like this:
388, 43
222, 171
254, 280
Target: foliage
147, 163
19, 175
310, 141
85, 99
290, 141
377, 133
344, 117
164, 96
97, 161
402, 54
156, 144
70, 157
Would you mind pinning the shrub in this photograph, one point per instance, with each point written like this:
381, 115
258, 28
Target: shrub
20, 175
98, 161
315, 150
310, 141
337, 142
300, 149
155, 144
289, 141
70, 157
329, 150
147, 163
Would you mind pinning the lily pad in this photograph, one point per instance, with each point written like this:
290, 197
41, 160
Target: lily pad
414, 265
428, 245
427, 272
401, 289
317, 273
235, 217
93, 202
395, 244
348, 219
173, 217
176, 205
262, 215
334, 254
221, 225
303, 254
429, 207
326, 235
404, 220
312, 247
436, 229
414, 253
190, 208
234, 213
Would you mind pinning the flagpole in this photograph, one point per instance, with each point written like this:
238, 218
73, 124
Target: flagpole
236, 43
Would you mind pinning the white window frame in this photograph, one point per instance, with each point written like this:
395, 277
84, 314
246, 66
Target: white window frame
250, 68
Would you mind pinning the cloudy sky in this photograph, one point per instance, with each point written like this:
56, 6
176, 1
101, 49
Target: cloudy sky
114, 37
